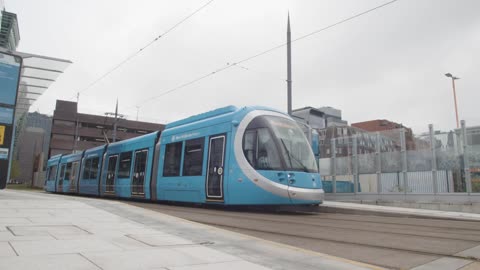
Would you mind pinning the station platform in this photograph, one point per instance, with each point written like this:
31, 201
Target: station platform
49, 231
368, 209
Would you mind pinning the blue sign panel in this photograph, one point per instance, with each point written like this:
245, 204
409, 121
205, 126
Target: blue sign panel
9, 72
3, 153
10, 66
6, 115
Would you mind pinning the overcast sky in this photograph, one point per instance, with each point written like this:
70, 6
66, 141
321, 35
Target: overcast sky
388, 64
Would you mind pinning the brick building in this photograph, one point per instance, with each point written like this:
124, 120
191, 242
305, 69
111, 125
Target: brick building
383, 125
366, 141
72, 131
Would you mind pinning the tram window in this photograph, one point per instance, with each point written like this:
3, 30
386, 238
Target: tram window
140, 161
260, 150
74, 170
193, 157
250, 146
62, 172
173, 154
68, 171
125, 164
267, 155
94, 169
52, 172
86, 169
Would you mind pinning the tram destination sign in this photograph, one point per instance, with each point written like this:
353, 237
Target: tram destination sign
10, 67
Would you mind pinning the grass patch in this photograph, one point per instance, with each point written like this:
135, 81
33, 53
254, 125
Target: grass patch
23, 187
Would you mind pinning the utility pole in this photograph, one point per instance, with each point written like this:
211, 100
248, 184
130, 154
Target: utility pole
138, 108
116, 115
289, 68
449, 75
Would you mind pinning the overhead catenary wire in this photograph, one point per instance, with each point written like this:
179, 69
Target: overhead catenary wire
111, 70
218, 70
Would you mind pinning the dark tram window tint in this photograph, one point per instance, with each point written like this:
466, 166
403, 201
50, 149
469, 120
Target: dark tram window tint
139, 171
75, 168
260, 150
52, 172
68, 171
86, 169
250, 146
173, 154
62, 172
94, 169
193, 157
112, 167
140, 161
125, 164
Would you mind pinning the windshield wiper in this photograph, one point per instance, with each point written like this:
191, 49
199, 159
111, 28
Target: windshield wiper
290, 156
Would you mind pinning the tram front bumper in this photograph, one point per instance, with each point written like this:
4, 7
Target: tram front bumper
306, 194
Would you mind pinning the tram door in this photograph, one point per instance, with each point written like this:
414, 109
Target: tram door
139, 170
112, 168
60, 179
73, 177
216, 157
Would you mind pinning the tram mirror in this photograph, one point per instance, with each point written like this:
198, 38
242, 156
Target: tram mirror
10, 66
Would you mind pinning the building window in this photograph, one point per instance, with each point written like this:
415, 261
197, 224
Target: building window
193, 157
173, 154
125, 164
62, 137
64, 123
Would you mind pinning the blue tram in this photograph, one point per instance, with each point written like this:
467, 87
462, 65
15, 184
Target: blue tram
230, 156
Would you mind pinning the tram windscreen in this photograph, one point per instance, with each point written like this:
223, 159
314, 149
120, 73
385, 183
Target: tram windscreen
269, 140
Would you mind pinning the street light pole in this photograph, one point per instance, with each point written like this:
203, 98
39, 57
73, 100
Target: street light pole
289, 68
454, 95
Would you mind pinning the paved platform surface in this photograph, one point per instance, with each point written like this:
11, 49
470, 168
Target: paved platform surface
357, 208
49, 231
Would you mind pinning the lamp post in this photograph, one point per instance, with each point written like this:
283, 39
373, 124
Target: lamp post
454, 95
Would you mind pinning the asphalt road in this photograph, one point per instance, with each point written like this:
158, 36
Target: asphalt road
392, 242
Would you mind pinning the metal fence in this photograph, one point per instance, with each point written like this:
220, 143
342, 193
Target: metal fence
398, 162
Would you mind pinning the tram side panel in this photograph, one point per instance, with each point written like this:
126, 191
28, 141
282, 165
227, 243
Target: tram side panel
242, 189
53, 171
127, 168
67, 179
91, 167
186, 173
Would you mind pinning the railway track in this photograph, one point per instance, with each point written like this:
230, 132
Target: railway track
391, 242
